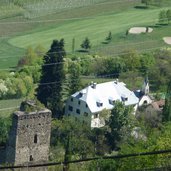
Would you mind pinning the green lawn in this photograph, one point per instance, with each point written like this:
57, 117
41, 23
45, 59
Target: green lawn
8, 106
96, 29
18, 25
9, 55
95, 22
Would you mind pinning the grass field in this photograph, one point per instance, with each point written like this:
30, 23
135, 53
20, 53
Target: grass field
93, 21
95, 28
8, 106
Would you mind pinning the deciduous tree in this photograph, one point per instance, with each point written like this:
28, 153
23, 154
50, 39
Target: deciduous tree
119, 122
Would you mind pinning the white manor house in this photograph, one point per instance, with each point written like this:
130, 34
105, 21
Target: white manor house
90, 101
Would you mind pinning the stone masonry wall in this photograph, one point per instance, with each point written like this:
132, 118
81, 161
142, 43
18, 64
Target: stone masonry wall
32, 139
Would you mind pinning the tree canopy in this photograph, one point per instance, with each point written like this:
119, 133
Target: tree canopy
167, 108
49, 91
86, 44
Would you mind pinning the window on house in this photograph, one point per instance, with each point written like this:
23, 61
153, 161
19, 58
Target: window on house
35, 139
99, 104
86, 106
145, 102
112, 102
71, 99
78, 111
85, 114
70, 108
124, 99
160, 106
95, 115
31, 158
79, 102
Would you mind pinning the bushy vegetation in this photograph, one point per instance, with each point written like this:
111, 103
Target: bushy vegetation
22, 82
5, 124
54, 75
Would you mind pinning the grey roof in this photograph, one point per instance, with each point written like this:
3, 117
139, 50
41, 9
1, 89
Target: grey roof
98, 98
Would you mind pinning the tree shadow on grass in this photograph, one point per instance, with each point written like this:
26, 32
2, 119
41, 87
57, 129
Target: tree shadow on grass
154, 26
13, 68
105, 42
82, 51
141, 7
162, 24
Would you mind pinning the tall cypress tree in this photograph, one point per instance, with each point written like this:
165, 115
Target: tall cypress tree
49, 91
74, 78
167, 107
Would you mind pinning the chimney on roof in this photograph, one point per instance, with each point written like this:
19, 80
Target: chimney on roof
116, 81
93, 85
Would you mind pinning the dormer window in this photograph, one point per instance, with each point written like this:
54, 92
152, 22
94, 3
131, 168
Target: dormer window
111, 101
124, 98
99, 104
80, 94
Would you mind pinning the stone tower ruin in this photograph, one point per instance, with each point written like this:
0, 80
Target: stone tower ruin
29, 139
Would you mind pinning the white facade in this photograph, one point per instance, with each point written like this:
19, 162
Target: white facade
89, 102
145, 100
143, 94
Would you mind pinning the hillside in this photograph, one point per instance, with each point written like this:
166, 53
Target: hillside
76, 19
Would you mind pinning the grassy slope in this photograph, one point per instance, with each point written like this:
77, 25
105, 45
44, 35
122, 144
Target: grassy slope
112, 16
8, 104
96, 29
11, 27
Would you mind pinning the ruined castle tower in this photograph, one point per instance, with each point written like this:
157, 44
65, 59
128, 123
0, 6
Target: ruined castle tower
29, 139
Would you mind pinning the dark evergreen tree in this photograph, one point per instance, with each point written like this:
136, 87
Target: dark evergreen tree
86, 44
49, 91
167, 107
74, 78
